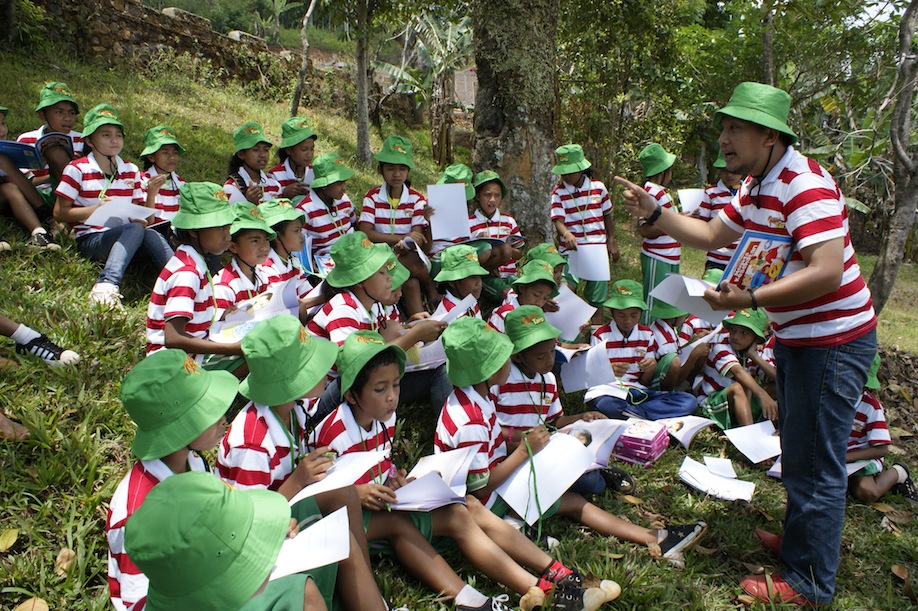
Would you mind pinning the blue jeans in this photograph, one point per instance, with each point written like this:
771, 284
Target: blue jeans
648, 404
818, 389
117, 246
589, 483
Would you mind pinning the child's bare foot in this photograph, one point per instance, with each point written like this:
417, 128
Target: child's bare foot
12, 430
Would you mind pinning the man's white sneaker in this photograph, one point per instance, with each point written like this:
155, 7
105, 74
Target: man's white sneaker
105, 294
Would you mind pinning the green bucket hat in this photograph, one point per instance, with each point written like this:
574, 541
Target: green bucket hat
458, 173
357, 350
284, 361
654, 159
760, 104
52, 93
202, 205
873, 383
536, 271
661, 309
486, 176
754, 320
720, 163
458, 262
626, 294
356, 259
327, 169
526, 326
248, 135
474, 351
248, 216
396, 150
294, 130
569, 160
546, 252
4, 110
278, 210
204, 544
713, 275
173, 400
156, 137
398, 272
100, 115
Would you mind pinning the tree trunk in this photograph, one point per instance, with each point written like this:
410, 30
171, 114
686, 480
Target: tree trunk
441, 118
304, 67
768, 45
516, 118
905, 167
362, 84
8, 13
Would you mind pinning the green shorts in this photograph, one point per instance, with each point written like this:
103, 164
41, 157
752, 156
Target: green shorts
717, 409
594, 291
872, 468
222, 362
492, 287
500, 508
663, 365
422, 520
653, 272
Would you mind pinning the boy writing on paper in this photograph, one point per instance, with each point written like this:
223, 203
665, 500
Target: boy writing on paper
535, 286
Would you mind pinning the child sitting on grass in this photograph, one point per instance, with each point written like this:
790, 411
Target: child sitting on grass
460, 275
535, 287
729, 394
182, 306
245, 276
632, 352
58, 111
161, 184
329, 211
487, 221
247, 180
286, 222
295, 154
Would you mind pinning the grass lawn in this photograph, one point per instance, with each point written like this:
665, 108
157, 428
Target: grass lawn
55, 486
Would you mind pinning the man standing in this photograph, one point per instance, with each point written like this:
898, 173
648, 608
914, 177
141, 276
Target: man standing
822, 316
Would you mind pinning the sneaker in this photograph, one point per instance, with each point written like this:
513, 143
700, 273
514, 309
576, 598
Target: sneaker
680, 538
532, 533
105, 294
575, 598
618, 480
49, 352
495, 603
907, 488
41, 240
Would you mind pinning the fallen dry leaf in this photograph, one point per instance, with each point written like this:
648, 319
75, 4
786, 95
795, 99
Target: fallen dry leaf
886, 524
899, 516
755, 569
632, 499
900, 571
33, 604
746, 600
704, 550
64, 559
897, 450
613, 556
8, 538
896, 432
883, 507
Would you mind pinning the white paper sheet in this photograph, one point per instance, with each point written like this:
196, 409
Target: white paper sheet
573, 312
346, 470
690, 199
557, 466
685, 428
587, 369
851, 467
686, 293
757, 442
686, 350
277, 300
426, 493
452, 467
590, 262
720, 466
462, 308
601, 436
410, 244
699, 477
116, 212
320, 544
424, 357
450, 219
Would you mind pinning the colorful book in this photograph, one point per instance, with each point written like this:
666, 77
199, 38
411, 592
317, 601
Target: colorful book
760, 258
23, 156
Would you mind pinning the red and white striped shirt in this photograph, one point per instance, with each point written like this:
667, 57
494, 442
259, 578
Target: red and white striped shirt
126, 584
869, 428
32, 137
523, 402
325, 224
721, 359
640, 343
232, 286
800, 199
399, 220
717, 197
167, 197
83, 183
342, 315
279, 270
341, 433
668, 339
272, 188
500, 225
257, 451
582, 209
285, 176
662, 248
468, 419
449, 302
182, 290
499, 315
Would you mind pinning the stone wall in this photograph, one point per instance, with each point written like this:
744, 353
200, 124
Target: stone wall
119, 32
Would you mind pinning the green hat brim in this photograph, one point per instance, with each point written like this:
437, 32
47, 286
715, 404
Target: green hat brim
543, 333
623, 302
218, 218
289, 141
341, 173
481, 181
754, 116
349, 371
873, 382
345, 273
249, 141
4, 110
571, 167
89, 130
733, 321
535, 277
238, 226
469, 189
160, 144
486, 367
281, 214
400, 275
315, 363
661, 309
182, 429
394, 157
450, 275
52, 100
660, 165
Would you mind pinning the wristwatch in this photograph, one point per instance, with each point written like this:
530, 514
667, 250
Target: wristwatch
650, 220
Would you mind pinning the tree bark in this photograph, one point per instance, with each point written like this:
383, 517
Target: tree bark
905, 167
768, 45
516, 116
362, 82
8, 29
304, 67
441, 118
